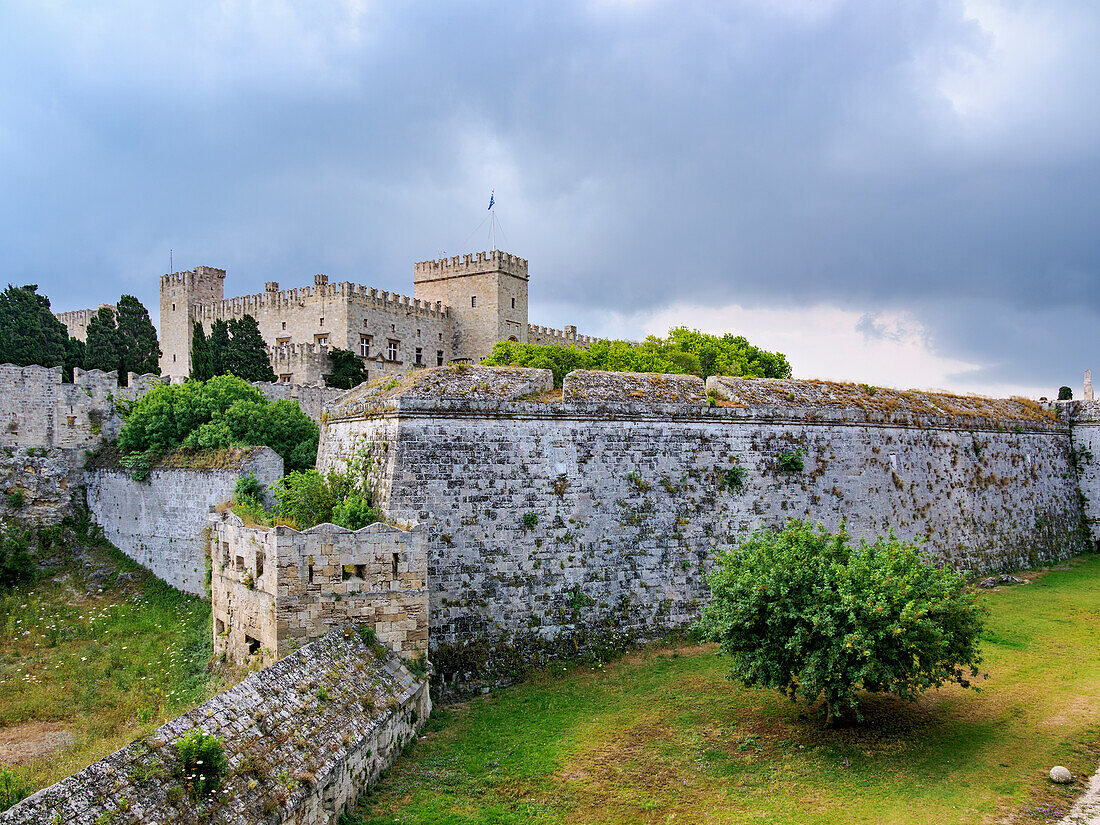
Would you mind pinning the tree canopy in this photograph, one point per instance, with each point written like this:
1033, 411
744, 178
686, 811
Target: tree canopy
683, 351
803, 611
347, 369
103, 349
235, 347
222, 412
29, 333
137, 337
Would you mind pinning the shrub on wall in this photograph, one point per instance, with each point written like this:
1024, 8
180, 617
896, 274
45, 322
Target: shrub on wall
684, 351
804, 612
308, 498
222, 412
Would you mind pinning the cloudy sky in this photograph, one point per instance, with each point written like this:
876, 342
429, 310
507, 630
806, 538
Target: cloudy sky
893, 192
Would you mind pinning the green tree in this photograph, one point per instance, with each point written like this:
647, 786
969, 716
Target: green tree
347, 369
246, 356
137, 337
804, 612
75, 353
221, 412
103, 350
684, 351
202, 361
1065, 394
29, 332
219, 346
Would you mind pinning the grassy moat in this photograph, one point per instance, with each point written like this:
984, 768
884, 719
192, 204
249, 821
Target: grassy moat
662, 737
95, 654
100, 652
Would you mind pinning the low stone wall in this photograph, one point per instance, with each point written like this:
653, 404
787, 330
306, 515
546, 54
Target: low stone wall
161, 522
303, 737
274, 589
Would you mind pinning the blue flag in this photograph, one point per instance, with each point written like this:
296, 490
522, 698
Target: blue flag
490, 200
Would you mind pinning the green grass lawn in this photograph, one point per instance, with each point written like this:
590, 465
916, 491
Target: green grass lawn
662, 737
101, 661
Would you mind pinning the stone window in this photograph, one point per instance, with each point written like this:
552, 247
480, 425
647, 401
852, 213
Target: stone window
321, 340
513, 303
321, 322
219, 626
439, 358
281, 341
284, 378
393, 327
284, 324
419, 357
418, 333
240, 564
364, 345
253, 645
391, 352
473, 300
225, 553
441, 336
173, 307
259, 563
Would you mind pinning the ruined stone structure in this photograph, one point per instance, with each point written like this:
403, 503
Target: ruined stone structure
274, 588
592, 514
303, 738
76, 320
462, 307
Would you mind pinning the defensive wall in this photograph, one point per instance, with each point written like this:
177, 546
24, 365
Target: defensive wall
162, 522
76, 320
303, 738
561, 518
275, 588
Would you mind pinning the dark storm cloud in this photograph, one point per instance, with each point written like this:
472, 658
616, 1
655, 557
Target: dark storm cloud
939, 158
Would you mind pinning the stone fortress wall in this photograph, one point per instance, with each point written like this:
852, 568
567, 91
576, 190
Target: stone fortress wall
76, 321
303, 738
275, 589
161, 522
599, 513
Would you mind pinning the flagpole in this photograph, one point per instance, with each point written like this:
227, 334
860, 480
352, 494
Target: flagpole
492, 220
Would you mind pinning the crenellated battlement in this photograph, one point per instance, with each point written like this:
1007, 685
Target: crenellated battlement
275, 300
191, 277
547, 335
494, 261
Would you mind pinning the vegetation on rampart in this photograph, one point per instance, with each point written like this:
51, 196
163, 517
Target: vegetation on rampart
305, 499
223, 412
684, 352
234, 347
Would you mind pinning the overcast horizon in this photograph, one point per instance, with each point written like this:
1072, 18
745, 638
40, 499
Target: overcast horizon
893, 193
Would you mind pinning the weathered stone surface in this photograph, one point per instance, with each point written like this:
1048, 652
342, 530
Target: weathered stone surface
303, 737
632, 499
633, 387
1060, 775
280, 588
161, 523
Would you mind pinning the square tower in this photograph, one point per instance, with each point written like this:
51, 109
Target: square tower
180, 294
487, 294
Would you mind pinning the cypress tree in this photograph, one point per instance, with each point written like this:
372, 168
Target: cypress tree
247, 354
347, 369
137, 337
29, 333
219, 347
102, 349
75, 353
202, 366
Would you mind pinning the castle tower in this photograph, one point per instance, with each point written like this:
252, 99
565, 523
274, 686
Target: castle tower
487, 294
180, 294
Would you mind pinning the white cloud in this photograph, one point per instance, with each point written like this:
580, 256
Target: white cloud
885, 348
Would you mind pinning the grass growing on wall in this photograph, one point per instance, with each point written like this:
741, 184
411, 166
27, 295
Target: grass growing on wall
661, 736
98, 652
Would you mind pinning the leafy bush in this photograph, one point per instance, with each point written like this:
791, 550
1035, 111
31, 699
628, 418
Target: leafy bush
16, 566
222, 412
202, 761
1065, 394
248, 487
684, 351
305, 499
804, 612
12, 789
790, 461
